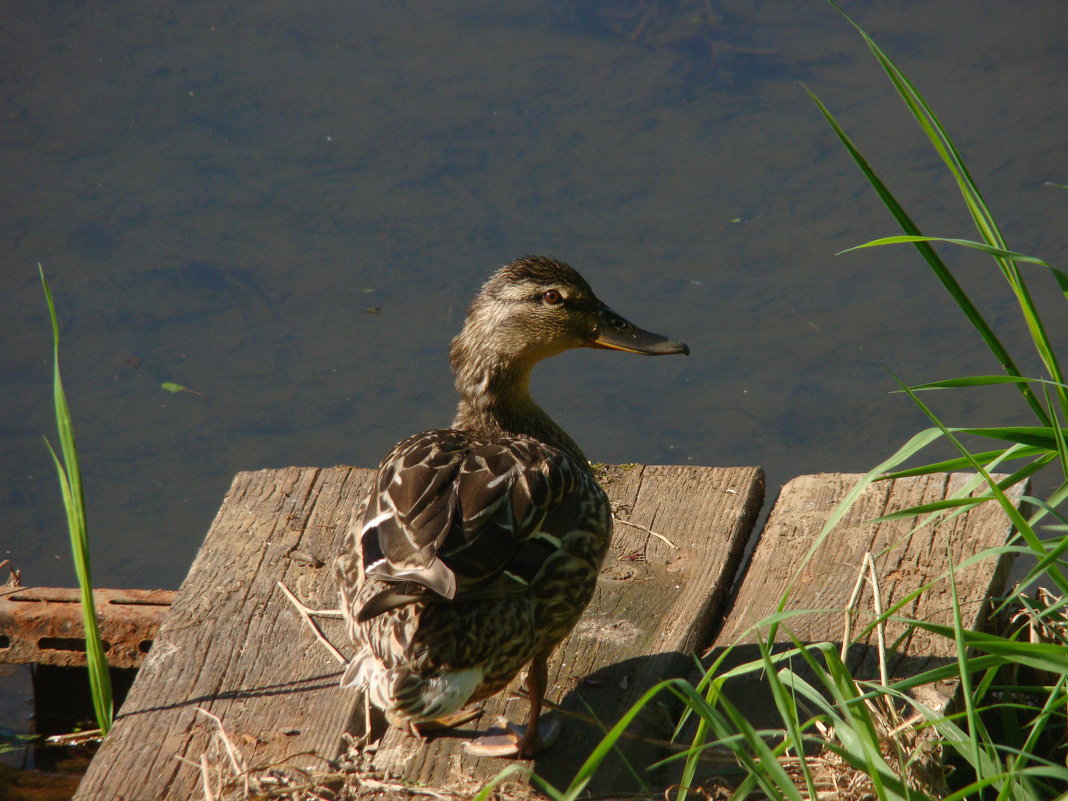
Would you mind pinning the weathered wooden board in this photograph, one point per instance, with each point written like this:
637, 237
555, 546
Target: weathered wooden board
233, 647
905, 560
231, 644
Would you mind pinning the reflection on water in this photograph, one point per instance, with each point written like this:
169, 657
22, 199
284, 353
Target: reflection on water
285, 208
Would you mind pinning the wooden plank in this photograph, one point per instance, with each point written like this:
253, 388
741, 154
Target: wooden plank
904, 562
233, 647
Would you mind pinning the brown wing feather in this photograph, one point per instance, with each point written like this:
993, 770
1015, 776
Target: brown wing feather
452, 511
409, 516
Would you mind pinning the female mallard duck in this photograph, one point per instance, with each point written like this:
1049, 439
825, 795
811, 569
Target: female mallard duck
480, 544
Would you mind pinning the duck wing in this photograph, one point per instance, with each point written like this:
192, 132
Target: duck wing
451, 512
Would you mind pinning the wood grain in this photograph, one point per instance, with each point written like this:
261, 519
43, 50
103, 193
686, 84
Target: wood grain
905, 559
232, 645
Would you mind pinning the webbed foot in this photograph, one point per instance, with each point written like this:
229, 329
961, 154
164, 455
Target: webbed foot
512, 740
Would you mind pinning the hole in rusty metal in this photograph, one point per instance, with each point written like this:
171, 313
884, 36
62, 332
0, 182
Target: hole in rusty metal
144, 646
66, 644
61, 644
29, 599
5, 641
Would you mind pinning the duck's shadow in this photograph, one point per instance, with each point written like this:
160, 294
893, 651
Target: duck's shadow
600, 700
587, 711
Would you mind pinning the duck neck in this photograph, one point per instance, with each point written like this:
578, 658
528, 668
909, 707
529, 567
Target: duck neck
495, 399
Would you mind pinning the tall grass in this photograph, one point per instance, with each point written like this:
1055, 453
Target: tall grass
1008, 741
70, 484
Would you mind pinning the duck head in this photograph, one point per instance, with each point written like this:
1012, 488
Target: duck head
537, 307
529, 310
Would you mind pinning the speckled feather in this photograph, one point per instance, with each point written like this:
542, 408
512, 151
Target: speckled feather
520, 529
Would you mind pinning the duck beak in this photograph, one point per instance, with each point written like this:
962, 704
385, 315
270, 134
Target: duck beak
615, 333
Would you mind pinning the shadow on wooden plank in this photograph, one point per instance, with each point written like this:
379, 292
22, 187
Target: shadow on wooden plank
589, 710
291, 690
752, 695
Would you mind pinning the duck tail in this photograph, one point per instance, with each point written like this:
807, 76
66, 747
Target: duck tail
359, 669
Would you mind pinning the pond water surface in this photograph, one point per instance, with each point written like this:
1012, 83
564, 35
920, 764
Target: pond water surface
286, 206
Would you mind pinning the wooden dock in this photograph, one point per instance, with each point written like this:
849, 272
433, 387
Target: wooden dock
232, 656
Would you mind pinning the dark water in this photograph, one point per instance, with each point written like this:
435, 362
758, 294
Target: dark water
286, 206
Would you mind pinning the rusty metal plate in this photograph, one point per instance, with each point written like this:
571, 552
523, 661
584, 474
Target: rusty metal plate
44, 624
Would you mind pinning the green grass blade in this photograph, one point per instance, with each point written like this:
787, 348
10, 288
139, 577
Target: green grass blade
1015, 516
689, 769
70, 481
982, 247
787, 709
970, 713
979, 381
1038, 436
934, 506
512, 770
858, 739
1058, 436
760, 760
914, 444
1055, 698
989, 460
933, 260
1006, 765
973, 200
600, 752
1046, 656
963, 502
639, 780
938, 137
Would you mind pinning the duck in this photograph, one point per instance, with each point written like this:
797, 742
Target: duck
479, 545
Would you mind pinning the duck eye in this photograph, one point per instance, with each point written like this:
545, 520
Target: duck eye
552, 297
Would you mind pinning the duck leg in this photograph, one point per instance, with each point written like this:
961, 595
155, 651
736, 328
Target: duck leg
522, 741
537, 679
